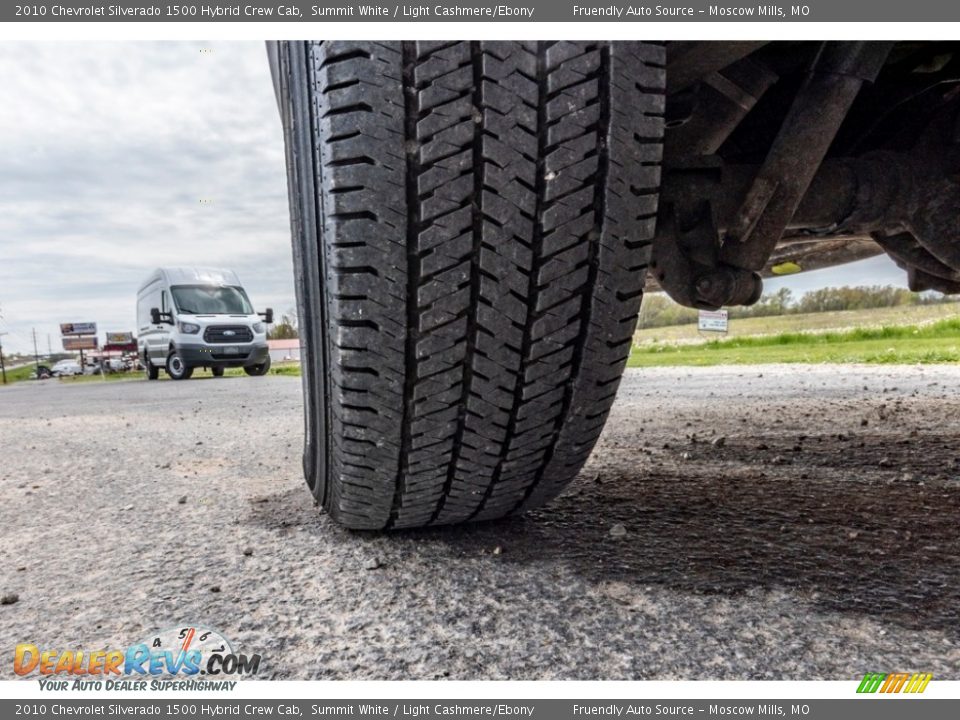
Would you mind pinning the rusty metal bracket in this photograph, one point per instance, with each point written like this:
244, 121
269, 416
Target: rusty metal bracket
686, 260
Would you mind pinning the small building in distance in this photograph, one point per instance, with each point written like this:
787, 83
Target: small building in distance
284, 350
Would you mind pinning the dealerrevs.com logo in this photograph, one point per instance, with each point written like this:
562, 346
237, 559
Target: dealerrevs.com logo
162, 658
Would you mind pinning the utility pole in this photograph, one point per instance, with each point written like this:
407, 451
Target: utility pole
3, 368
36, 355
49, 347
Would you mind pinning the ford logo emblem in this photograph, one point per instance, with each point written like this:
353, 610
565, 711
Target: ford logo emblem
230, 333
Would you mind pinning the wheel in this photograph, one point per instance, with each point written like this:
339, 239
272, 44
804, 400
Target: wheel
217, 371
469, 289
177, 369
257, 370
153, 372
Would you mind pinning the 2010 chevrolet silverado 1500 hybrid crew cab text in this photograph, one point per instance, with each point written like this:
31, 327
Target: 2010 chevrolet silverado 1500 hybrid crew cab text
474, 224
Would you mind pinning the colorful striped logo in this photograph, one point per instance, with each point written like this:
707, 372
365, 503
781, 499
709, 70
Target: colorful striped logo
894, 682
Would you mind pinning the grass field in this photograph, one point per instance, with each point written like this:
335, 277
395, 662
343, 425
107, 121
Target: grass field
20, 373
933, 342
808, 322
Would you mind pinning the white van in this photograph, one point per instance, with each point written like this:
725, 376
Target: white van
199, 317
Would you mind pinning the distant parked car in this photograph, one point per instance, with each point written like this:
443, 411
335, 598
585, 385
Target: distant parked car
42, 373
114, 365
66, 368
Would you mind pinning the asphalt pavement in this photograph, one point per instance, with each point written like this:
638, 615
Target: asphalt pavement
778, 522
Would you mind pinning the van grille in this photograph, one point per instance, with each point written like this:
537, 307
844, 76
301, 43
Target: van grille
228, 334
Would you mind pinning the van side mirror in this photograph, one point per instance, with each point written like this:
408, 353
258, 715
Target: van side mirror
157, 317
268, 316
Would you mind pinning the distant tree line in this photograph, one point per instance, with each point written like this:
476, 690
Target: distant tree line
658, 310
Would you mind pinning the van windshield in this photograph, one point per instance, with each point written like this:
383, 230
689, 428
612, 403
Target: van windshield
211, 300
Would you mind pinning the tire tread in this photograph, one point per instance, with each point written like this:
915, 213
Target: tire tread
487, 210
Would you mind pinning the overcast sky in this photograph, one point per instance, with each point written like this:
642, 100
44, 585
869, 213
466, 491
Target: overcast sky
108, 151
119, 158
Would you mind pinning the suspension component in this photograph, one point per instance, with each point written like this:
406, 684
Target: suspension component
714, 270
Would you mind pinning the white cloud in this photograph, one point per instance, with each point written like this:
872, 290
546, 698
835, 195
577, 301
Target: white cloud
109, 150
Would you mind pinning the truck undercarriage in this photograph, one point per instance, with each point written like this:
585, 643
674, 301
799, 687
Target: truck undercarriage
787, 157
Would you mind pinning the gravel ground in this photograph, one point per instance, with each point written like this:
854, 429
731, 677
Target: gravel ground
735, 523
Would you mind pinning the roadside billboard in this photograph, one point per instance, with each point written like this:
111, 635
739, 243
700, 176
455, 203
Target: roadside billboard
121, 342
85, 328
80, 343
119, 338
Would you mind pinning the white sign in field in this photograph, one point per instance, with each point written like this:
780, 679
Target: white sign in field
713, 321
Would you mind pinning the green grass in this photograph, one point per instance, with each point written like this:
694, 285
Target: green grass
290, 369
937, 342
19, 374
26, 373
806, 322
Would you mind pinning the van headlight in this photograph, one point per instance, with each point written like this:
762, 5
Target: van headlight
258, 328
188, 328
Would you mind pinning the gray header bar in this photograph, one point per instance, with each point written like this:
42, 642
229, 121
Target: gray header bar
184, 708
580, 11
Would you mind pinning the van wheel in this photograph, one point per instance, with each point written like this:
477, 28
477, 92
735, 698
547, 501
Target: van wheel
217, 371
469, 289
153, 372
176, 368
257, 370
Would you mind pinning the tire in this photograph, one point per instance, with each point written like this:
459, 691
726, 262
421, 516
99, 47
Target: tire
472, 225
258, 370
217, 371
177, 369
153, 372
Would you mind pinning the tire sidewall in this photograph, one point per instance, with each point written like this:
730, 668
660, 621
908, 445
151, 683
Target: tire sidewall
153, 372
